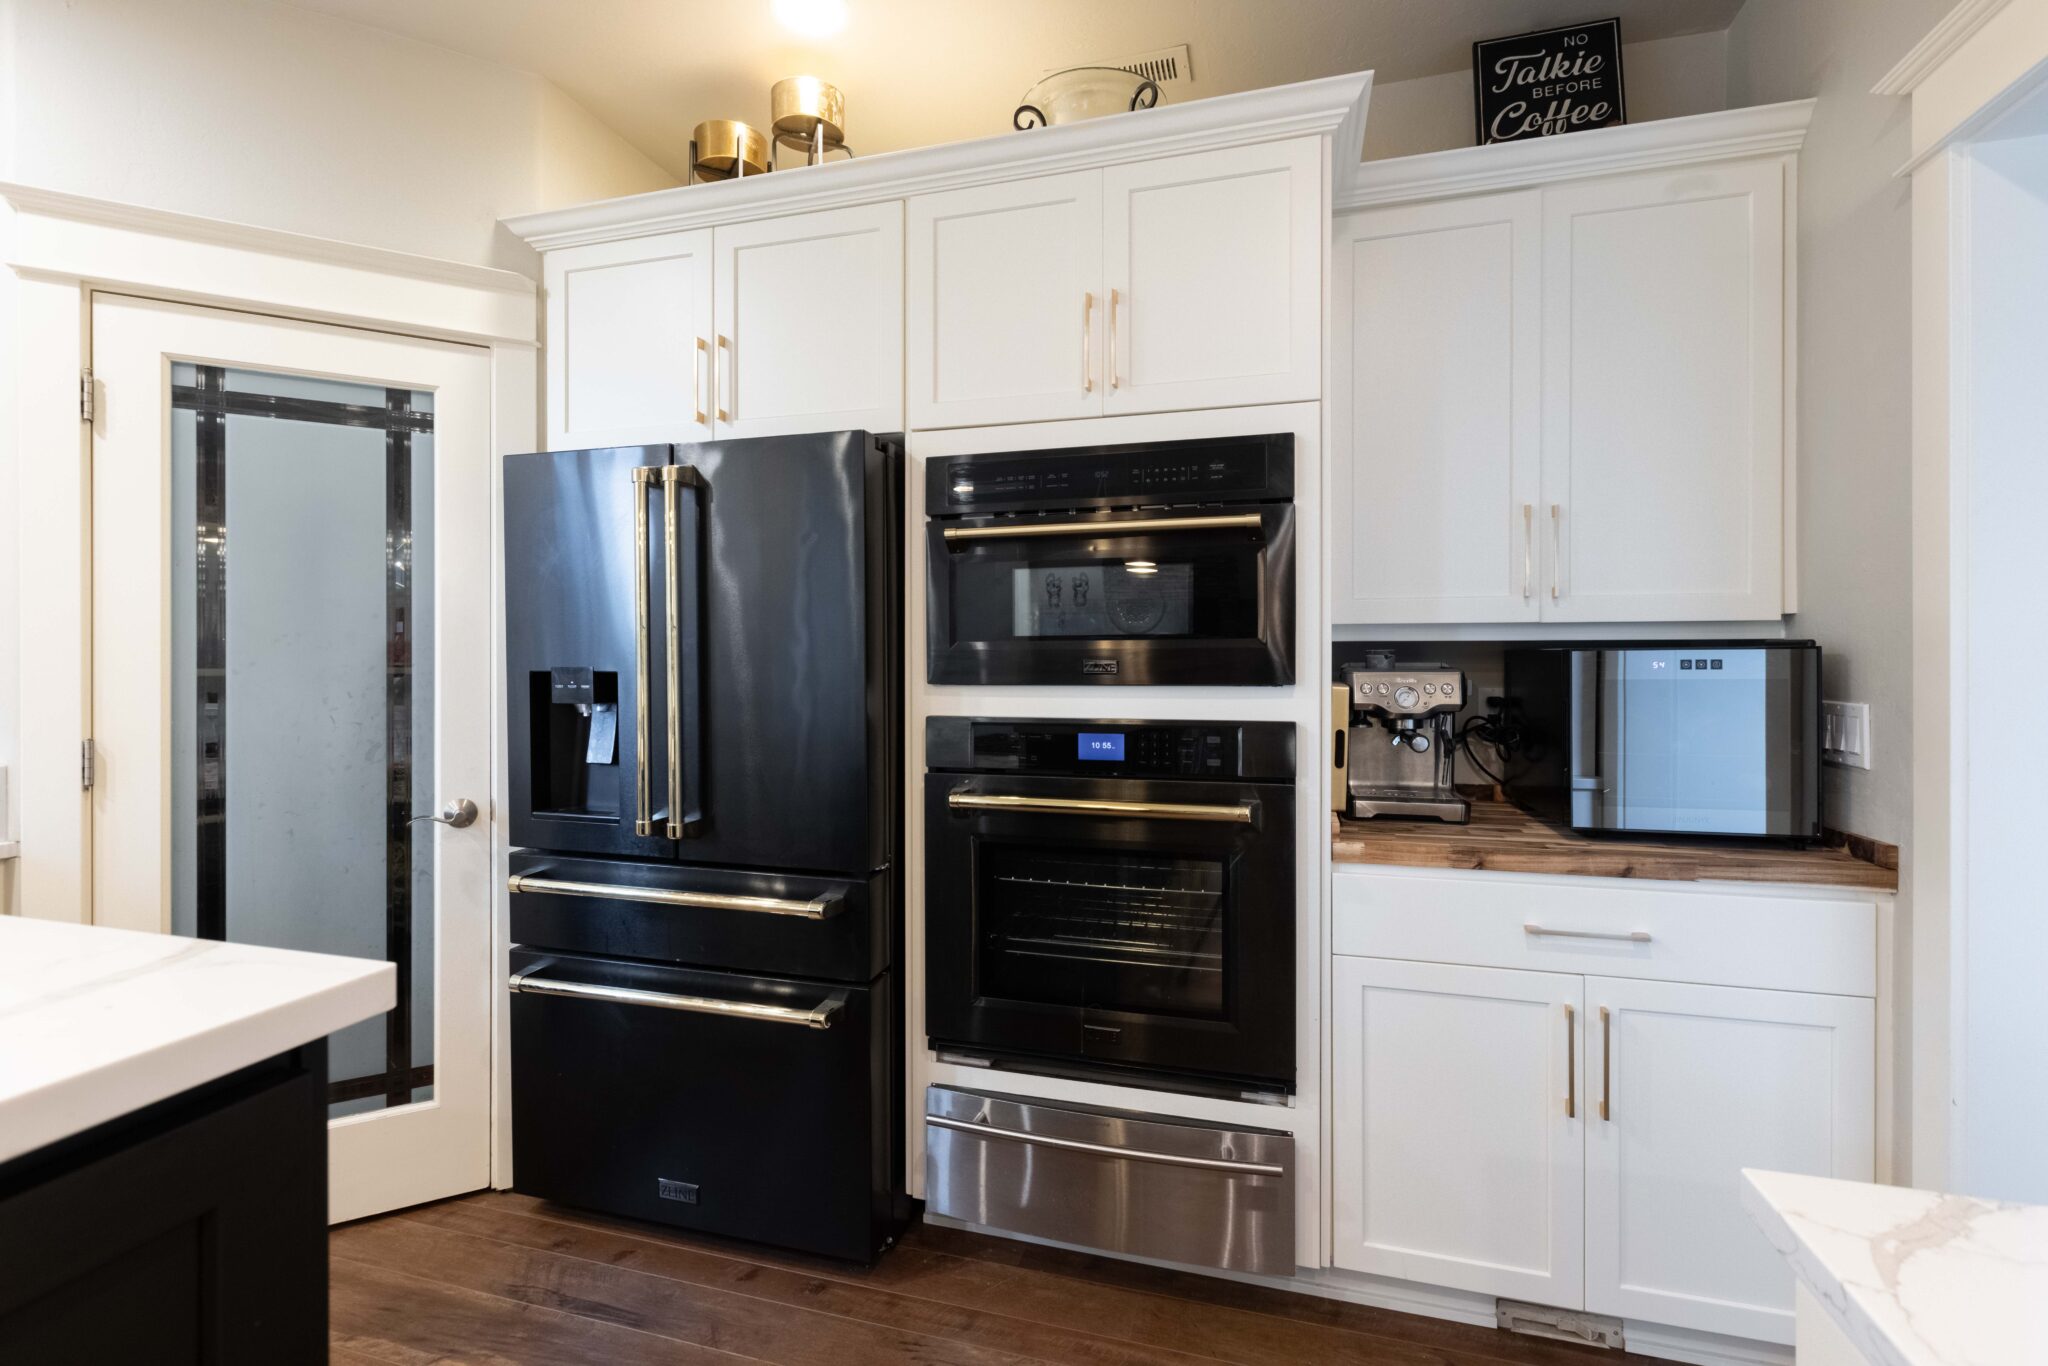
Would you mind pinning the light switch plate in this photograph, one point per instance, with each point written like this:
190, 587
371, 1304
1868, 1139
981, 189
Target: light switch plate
1845, 734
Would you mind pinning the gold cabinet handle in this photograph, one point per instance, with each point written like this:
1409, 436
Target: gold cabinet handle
1528, 547
698, 364
643, 820
1606, 1066
1556, 514
1571, 1062
1088, 341
730, 387
1113, 381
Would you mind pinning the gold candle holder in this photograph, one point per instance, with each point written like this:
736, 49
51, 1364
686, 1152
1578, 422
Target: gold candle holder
810, 115
726, 149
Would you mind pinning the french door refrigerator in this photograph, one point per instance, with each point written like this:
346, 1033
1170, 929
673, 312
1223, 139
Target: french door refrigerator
703, 656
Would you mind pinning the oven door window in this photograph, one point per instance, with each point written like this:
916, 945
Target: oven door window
1110, 928
1193, 586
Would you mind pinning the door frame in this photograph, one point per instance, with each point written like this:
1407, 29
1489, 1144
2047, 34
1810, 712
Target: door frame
63, 248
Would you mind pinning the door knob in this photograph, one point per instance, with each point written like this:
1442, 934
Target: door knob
459, 813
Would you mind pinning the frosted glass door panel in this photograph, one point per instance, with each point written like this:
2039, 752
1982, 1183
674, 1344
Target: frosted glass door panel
302, 685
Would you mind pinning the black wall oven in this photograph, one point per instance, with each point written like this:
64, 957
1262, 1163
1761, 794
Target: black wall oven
1161, 562
1113, 896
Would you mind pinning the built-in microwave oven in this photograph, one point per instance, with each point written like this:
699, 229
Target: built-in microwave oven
1157, 562
1683, 738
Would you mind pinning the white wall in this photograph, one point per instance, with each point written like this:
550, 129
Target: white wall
262, 113
1854, 405
1665, 79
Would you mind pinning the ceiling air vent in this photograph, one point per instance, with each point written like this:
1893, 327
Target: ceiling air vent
1168, 67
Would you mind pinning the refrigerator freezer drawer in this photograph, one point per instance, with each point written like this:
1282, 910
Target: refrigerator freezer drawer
1177, 1190
749, 1107
722, 918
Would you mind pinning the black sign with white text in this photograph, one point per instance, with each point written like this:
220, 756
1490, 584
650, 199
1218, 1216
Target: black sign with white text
1537, 85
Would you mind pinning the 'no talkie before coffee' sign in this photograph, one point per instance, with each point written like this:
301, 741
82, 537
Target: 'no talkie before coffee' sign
1537, 85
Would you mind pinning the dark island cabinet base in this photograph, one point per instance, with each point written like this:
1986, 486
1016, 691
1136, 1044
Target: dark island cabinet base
192, 1231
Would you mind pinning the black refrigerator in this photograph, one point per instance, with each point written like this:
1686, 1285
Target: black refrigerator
704, 648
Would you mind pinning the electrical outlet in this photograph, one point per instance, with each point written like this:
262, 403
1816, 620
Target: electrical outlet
1845, 734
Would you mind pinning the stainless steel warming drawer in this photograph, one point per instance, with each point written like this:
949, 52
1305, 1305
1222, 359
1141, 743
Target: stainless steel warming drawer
1174, 1189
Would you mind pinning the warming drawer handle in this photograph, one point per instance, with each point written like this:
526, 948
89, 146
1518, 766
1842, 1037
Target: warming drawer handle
1626, 936
819, 1016
1237, 813
1118, 527
817, 908
1214, 1164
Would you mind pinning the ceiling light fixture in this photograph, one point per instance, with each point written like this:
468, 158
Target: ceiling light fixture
811, 18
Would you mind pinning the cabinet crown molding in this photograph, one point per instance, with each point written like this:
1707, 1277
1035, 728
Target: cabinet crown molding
1334, 105
1755, 131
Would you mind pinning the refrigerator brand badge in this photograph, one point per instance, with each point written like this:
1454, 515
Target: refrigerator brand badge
1100, 666
680, 1191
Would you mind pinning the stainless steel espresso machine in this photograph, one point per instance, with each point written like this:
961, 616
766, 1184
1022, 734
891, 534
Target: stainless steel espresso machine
1402, 749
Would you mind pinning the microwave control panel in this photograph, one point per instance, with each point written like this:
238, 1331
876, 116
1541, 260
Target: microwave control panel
1112, 749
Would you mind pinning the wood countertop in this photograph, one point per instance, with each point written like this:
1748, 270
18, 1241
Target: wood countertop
1503, 838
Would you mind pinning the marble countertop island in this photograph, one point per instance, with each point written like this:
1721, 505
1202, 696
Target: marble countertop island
1911, 1277
95, 1023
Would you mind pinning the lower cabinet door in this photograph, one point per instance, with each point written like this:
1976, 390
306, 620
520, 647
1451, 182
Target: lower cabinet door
1688, 1085
1460, 1114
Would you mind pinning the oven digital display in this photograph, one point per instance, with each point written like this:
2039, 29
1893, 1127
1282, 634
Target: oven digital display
1107, 746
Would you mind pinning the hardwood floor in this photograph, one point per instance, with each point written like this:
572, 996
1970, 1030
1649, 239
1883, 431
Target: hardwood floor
503, 1280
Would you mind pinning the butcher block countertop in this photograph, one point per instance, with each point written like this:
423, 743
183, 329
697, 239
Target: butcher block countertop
1502, 838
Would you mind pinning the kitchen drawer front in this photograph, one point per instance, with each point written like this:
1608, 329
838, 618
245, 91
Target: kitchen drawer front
1768, 938
634, 1094
838, 929
1177, 1190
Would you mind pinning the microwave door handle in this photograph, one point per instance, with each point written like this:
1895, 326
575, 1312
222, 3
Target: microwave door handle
1585, 719
681, 558
643, 816
1112, 526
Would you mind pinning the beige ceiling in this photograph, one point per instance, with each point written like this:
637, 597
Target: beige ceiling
925, 71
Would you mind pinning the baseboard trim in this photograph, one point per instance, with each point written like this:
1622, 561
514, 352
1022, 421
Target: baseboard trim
1698, 1348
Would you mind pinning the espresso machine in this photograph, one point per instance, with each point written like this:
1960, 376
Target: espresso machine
1401, 755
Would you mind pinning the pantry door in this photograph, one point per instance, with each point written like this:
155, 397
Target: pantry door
291, 672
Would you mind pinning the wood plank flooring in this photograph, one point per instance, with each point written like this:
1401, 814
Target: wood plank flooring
502, 1280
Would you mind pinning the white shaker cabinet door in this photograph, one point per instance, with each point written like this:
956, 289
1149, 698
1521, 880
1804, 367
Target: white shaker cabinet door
1455, 1147
810, 323
1438, 337
1004, 303
1664, 403
1698, 1083
1213, 267
629, 337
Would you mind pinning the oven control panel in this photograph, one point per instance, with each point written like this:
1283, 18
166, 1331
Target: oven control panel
1112, 749
1151, 474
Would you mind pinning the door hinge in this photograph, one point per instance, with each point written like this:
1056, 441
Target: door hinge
85, 403
85, 764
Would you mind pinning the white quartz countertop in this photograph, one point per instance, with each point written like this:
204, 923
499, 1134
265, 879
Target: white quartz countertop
1914, 1278
97, 1022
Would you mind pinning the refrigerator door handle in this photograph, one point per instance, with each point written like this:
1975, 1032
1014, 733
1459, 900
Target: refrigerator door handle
685, 698
819, 1016
643, 816
817, 908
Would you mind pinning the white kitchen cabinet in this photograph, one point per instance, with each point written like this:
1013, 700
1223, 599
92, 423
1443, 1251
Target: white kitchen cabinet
810, 322
1664, 388
1183, 282
1596, 350
1456, 1136
1700, 1082
1438, 399
1005, 305
629, 336
1213, 267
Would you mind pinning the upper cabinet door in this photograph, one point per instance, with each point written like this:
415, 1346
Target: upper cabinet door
1690, 1084
1664, 395
1005, 304
1213, 268
809, 331
629, 342
1437, 331
1455, 1145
